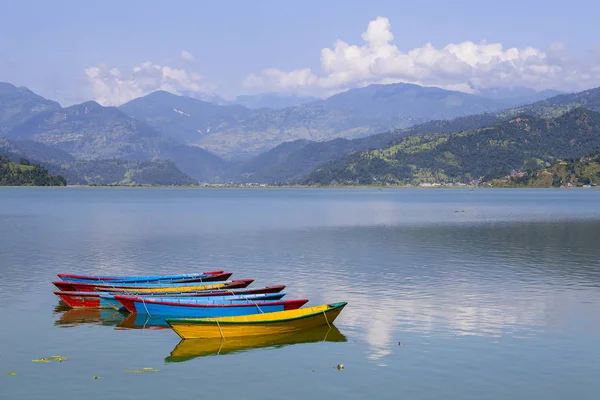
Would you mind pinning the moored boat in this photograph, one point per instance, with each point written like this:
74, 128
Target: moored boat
84, 299
107, 299
206, 276
206, 299
149, 288
189, 349
215, 308
256, 324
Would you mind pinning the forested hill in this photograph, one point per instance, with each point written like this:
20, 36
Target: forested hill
522, 143
564, 173
24, 173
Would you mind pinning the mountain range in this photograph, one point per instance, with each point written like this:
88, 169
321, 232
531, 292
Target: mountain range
264, 145
238, 132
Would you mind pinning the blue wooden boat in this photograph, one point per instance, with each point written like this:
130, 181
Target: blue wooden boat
110, 300
121, 279
216, 308
208, 299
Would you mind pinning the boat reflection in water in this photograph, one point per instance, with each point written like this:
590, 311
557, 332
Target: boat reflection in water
88, 316
189, 349
143, 321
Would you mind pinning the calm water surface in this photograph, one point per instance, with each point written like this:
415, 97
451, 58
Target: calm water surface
491, 294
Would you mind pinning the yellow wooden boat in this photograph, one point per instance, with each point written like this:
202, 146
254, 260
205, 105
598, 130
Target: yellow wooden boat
174, 289
278, 322
189, 349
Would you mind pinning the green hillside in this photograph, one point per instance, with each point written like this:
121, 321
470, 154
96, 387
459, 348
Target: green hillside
564, 173
557, 105
120, 172
24, 173
521, 143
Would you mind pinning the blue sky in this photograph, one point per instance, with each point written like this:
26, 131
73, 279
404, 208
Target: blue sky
73, 51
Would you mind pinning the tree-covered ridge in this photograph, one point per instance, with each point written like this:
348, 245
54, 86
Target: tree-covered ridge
519, 144
584, 171
558, 105
25, 173
120, 172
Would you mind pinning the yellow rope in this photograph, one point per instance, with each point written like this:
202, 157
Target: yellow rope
144, 303
219, 325
326, 319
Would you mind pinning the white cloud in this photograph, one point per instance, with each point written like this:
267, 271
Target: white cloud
187, 56
112, 86
465, 66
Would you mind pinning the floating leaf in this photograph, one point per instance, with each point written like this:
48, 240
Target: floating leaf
96, 377
11, 373
50, 359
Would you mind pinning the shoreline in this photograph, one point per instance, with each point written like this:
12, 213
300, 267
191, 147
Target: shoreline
378, 187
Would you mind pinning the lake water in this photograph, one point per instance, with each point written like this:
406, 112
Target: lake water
454, 294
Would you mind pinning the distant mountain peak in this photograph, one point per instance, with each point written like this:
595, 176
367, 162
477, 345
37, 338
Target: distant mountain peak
18, 104
91, 104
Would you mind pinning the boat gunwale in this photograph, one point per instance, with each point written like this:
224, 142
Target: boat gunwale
134, 277
259, 303
117, 287
215, 320
256, 298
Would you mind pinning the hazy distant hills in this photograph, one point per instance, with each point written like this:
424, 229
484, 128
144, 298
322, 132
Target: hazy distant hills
273, 100
236, 132
557, 105
517, 95
239, 132
91, 143
399, 101
89, 131
95, 172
